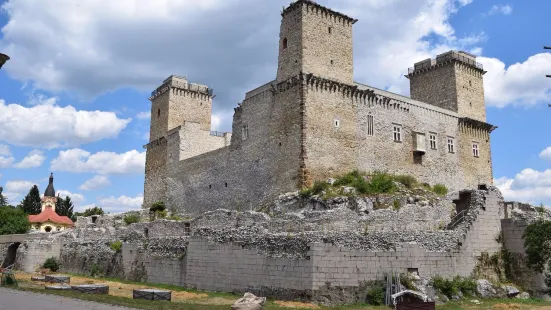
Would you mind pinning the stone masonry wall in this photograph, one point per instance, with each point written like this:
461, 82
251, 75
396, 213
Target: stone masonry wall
514, 244
436, 87
476, 170
155, 188
470, 92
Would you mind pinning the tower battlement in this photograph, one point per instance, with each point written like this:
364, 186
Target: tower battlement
316, 8
446, 58
182, 83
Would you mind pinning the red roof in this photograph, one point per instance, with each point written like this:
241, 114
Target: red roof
49, 215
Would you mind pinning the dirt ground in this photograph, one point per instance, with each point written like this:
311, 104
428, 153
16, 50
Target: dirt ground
125, 290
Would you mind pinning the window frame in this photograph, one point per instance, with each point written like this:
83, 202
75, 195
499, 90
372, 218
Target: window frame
245, 132
370, 125
451, 144
435, 140
476, 149
397, 132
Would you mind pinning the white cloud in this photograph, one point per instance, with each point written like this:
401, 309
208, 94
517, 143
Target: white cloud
78, 160
15, 190
529, 186
120, 204
6, 162
521, 84
504, 9
96, 182
143, 115
546, 154
33, 160
55, 126
4, 150
77, 199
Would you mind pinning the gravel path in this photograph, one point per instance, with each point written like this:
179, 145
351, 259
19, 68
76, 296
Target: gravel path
19, 300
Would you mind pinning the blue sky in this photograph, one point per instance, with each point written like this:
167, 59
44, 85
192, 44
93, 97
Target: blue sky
73, 98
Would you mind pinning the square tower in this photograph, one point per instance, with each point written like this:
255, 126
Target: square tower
177, 101
453, 81
317, 40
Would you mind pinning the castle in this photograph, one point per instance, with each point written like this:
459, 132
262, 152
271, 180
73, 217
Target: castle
314, 121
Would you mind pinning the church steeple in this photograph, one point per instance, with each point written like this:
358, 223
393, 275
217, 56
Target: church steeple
50, 192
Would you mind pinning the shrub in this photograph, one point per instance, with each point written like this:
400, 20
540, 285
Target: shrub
407, 180
175, 218
452, 287
396, 204
52, 264
376, 295
381, 183
440, 189
407, 281
348, 178
131, 219
93, 211
161, 214
13, 221
157, 206
95, 271
116, 246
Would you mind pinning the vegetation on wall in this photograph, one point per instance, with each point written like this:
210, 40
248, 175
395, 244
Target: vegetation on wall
131, 219
52, 264
440, 189
13, 221
452, 287
88, 212
116, 245
537, 245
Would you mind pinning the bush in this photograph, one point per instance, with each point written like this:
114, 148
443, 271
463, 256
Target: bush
452, 287
116, 246
95, 271
157, 206
407, 180
131, 219
381, 183
175, 218
161, 214
348, 178
93, 211
397, 205
440, 189
376, 295
52, 264
317, 188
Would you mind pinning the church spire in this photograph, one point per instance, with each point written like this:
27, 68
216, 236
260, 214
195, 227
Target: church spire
50, 192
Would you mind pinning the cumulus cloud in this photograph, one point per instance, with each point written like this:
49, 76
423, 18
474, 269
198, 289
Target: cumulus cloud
78, 160
6, 160
77, 199
4, 150
15, 190
546, 154
95, 182
54, 126
531, 186
120, 204
33, 160
504, 9
100, 51
521, 84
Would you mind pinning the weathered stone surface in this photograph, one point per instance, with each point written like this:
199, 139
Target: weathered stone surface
249, 302
485, 289
511, 291
523, 295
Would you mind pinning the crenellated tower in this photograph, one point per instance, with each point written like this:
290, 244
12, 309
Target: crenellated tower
317, 40
453, 81
173, 103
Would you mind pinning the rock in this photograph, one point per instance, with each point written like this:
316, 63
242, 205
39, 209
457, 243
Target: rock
476, 302
511, 291
485, 289
364, 205
331, 181
348, 190
523, 295
410, 200
249, 302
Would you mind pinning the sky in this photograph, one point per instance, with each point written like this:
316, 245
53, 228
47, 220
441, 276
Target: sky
74, 96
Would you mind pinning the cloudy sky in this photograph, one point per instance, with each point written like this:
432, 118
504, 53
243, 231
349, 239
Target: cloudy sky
73, 98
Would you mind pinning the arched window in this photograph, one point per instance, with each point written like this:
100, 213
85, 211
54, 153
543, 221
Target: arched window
284, 43
158, 112
48, 229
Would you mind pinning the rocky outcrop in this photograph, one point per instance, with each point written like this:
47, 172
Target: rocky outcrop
249, 302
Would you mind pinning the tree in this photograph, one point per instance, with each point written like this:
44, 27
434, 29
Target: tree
537, 244
3, 199
31, 204
13, 221
93, 211
64, 207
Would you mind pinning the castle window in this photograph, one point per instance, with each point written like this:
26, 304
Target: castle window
332, 61
330, 30
284, 43
451, 148
245, 132
210, 186
470, 84
370, 130
397, 133
158, 112
432, 140
225, 184
337, 123
475, 149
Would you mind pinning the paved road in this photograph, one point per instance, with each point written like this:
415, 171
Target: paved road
19, 300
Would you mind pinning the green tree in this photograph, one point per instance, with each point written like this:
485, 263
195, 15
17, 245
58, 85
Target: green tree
3, 199
13, 221
64, 207
31, 204
93, 211
537, 244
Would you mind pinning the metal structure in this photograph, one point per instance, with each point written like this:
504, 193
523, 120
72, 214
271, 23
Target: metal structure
3, 59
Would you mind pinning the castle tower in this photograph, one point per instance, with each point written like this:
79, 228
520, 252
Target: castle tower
317, 40
175, 102
453, 81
